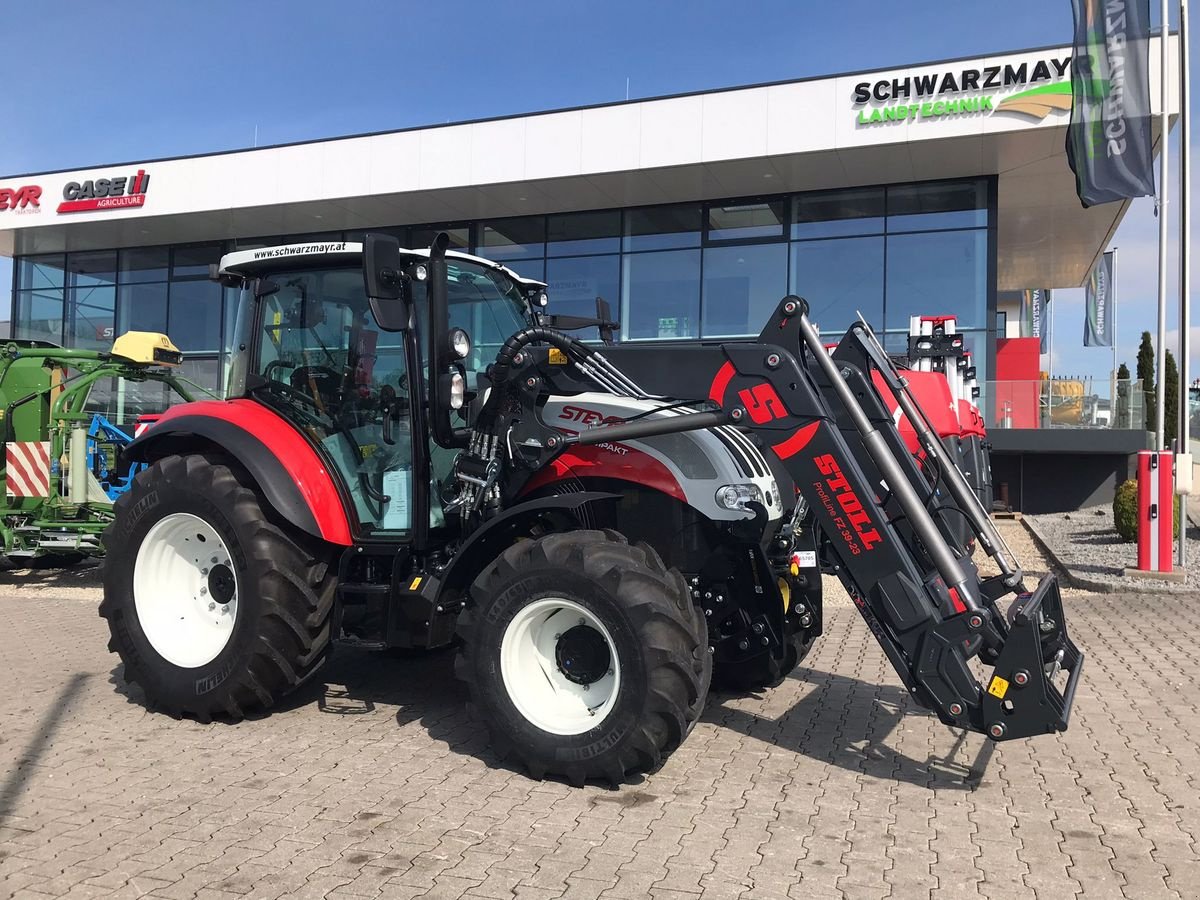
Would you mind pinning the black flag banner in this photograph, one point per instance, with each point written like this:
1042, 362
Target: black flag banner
1108, 140
1099, 298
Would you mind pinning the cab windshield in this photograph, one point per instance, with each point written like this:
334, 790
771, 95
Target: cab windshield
324, 363
483, 302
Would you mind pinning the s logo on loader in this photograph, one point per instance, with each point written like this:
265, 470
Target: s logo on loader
762, 403
855, 514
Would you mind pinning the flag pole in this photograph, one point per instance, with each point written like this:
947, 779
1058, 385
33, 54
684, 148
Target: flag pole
1185, 267
1050, 359
1160, 358
1112, 313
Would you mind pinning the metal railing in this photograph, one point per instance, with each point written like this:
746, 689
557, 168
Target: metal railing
1064, 403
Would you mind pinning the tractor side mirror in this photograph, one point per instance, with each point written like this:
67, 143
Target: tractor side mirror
386, 283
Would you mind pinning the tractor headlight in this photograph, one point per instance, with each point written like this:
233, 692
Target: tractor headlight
420, 272
460, 343
736, 496
458, 390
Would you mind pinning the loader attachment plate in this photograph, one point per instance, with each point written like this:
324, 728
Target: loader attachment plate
1032, 687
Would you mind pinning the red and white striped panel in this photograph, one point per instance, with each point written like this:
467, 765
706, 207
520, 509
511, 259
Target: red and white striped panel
27, 468
142, 423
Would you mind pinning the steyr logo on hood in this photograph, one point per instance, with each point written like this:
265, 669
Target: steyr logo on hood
105, 193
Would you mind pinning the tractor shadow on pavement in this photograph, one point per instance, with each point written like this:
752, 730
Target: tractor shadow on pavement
838, 720
86, 574
846, 722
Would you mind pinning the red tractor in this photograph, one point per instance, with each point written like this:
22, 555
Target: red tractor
413, 453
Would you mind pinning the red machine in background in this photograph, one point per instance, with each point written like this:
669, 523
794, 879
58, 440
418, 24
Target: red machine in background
941, 376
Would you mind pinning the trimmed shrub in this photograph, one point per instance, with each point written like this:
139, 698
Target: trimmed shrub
1125, 510
1125, 517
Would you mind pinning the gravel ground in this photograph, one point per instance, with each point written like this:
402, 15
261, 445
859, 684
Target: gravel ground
1086, 543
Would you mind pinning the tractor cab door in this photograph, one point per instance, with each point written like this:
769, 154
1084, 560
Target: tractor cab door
325, 365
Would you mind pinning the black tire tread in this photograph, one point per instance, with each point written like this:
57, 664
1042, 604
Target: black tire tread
675, 632
297, 588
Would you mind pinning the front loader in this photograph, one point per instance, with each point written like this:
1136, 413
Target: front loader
605, 529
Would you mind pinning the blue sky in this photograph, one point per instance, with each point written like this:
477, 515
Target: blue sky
127, 80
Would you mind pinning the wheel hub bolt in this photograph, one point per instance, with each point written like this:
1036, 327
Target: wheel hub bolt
765, 640
224, 609
203, 590
204, 571
1021, 678
708, 612
757, 627
956, 709
708, 595
214, 560
211, 607
743, 644
996, 730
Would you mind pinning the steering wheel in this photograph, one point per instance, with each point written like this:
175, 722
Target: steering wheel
315, 377
295, 393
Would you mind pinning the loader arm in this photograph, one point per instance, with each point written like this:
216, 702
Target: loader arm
917, 590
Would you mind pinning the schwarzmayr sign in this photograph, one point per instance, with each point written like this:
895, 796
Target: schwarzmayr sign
965, 91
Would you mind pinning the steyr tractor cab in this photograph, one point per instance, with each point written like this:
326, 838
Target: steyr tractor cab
411, 452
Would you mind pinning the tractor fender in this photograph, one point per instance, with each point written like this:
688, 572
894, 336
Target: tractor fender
293, 478
487, 542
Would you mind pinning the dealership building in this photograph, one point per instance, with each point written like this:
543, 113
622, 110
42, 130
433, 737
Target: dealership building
936, 188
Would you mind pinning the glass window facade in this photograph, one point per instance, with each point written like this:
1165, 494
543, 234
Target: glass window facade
674, 272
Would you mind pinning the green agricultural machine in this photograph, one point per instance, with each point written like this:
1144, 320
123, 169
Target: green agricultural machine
66, 414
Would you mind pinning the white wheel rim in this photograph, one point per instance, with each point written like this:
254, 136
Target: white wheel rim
185, 590
530, 656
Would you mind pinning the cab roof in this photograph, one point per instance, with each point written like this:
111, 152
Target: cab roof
262, 260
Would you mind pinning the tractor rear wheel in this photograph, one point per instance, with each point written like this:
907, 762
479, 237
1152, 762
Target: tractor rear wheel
584, 656
214, 609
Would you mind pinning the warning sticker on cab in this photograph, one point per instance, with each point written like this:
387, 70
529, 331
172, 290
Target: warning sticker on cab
998, 687
557, 357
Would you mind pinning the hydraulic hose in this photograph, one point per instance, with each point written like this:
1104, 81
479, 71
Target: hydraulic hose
520, 340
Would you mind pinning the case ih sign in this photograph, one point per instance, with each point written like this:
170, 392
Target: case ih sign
21, 200
118, 192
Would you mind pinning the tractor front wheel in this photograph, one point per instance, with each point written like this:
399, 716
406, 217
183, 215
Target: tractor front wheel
584, 656
213, 607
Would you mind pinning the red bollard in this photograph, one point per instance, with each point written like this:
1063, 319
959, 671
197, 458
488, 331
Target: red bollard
1156, 511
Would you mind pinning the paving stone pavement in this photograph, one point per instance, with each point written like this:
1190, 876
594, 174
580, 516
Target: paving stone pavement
374, 783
